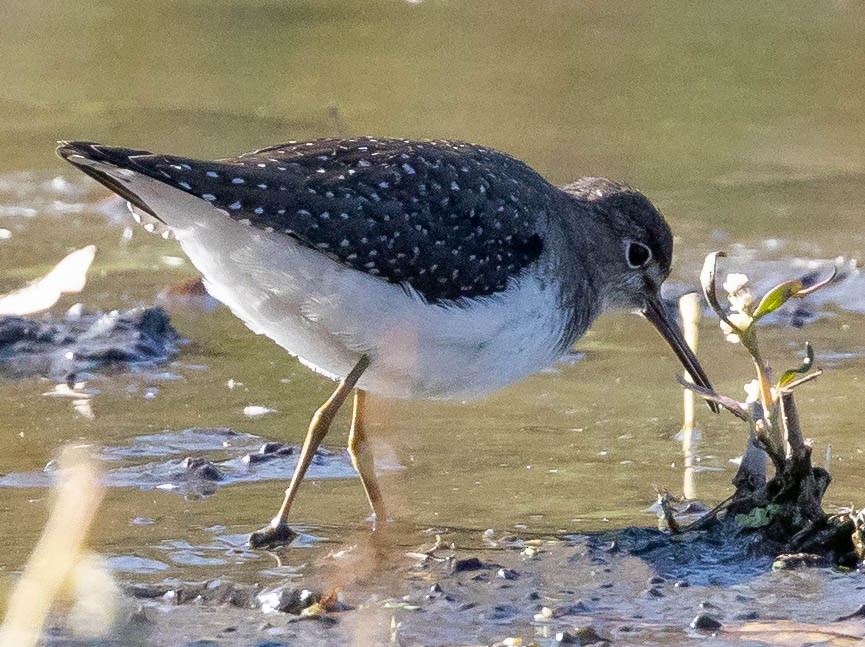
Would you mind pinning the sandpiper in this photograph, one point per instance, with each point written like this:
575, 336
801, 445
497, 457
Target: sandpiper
406, 269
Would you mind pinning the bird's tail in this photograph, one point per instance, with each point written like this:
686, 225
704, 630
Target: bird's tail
112, 166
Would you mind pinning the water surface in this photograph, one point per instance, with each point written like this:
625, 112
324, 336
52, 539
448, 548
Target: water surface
744, 124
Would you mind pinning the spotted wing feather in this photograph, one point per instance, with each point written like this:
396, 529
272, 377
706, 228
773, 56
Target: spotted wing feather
449, 219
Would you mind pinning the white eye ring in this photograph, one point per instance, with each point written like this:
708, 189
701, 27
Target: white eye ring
637, 254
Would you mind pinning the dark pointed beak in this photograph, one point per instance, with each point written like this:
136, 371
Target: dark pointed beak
655, 312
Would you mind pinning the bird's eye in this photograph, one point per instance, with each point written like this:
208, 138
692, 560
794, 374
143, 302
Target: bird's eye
637, 254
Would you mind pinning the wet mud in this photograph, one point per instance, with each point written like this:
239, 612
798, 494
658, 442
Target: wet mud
634, 587
62, 349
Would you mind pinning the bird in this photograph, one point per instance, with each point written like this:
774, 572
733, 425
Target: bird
400, 268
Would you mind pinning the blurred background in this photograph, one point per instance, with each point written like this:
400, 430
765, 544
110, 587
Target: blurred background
743, 122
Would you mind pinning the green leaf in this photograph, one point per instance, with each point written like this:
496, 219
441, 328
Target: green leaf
757, 518
776, 297
789, 375
707, 280
780, 294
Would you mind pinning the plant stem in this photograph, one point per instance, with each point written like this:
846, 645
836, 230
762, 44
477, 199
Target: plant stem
773, 431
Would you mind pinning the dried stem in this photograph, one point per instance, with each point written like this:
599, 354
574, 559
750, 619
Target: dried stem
792, 430
691, 312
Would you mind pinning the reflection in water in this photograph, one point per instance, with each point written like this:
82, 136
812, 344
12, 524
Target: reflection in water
196, 475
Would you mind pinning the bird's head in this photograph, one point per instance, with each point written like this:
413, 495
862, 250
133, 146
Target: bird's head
632, 268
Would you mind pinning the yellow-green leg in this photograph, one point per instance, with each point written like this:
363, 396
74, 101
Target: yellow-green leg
277, 531
362, 458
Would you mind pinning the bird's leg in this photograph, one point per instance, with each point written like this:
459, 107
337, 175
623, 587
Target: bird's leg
363, 460
277, 531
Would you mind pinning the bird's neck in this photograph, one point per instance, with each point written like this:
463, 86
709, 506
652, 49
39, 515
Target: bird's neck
579, 298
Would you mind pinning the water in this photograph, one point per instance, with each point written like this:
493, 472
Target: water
744, 124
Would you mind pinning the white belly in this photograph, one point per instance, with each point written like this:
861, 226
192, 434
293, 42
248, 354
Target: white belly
327, 315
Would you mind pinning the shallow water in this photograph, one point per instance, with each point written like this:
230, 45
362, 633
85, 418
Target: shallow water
743, 124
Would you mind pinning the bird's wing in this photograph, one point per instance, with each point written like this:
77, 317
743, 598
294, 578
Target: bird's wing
448, 219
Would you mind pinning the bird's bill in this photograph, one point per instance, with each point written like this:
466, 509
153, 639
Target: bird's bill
656, 313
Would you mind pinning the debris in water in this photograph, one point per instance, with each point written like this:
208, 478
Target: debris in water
68, 277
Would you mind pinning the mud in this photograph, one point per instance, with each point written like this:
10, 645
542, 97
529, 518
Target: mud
61, 349
635, 587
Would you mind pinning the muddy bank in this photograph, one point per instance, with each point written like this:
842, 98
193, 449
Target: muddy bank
62, 348
632, 587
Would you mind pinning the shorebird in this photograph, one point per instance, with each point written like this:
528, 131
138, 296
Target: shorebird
401, 268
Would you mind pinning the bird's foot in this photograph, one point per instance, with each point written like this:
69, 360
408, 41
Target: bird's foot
271, 536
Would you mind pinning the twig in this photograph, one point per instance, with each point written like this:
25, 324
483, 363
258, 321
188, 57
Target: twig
57, 553
707, 394
691, 312
710, 515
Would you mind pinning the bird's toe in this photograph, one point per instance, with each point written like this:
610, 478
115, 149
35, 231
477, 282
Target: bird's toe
272, 536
